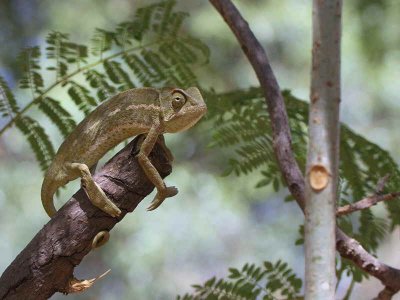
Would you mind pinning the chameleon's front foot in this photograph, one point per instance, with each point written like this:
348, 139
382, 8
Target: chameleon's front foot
161, 196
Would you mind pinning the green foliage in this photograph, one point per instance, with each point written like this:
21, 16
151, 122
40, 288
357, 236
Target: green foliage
80, 95
149, 50
58, 115
372, 31
64, 53
8, 104
99, 82
31, 78
38, 140
268, 282
242, 124
102, 41
118, 75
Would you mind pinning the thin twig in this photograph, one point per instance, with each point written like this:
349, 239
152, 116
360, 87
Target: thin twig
365, 203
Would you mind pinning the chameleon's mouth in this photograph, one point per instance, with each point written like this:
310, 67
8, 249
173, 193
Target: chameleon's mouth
186, 118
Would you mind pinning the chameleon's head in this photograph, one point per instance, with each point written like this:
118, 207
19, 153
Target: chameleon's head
181, 108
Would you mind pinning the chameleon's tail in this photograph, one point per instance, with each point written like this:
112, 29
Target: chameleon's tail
49, 188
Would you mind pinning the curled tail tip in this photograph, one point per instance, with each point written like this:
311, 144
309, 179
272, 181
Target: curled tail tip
49, 206
50, 210
47, 193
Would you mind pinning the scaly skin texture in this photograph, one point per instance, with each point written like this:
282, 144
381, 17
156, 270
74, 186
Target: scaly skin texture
137, 111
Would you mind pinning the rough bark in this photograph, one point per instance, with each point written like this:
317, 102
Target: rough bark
47, 263
322, 169
282, 140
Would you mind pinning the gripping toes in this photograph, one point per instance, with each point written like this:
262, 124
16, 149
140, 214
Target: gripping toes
161, 196
93, 191
99, 198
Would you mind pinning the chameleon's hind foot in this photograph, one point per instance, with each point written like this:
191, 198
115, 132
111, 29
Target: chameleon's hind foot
93, 191
161, 196
99, 198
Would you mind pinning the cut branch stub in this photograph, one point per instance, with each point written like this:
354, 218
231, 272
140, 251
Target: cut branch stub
318, 177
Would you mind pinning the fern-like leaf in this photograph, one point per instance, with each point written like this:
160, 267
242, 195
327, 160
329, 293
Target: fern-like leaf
156, 17
161, 18
58, 115
118, 75
102, 41
250, 283
127, 33
372, 230
150, 68
99, 81
140, 68
81, 97
31, 77
8, 104
38, 140
55, 41
178, 72
63, 52
193, 44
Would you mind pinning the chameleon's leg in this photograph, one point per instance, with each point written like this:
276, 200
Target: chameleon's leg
93, 191
100, 239
162, 190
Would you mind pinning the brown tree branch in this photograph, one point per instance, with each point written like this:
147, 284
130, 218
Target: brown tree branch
351, 249
347, 247
365, 203
47, 263
276, 106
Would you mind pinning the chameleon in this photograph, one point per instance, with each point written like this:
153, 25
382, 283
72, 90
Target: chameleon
133, 112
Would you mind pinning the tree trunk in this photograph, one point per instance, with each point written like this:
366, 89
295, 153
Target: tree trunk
323, 152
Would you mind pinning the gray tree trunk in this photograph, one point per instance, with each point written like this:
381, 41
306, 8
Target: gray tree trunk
323, 151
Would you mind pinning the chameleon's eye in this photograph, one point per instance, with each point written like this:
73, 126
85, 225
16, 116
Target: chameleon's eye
178, 100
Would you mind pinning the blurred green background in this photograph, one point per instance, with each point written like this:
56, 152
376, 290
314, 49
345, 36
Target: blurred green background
214, 222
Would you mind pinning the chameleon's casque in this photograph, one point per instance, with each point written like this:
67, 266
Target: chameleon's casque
133, 112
